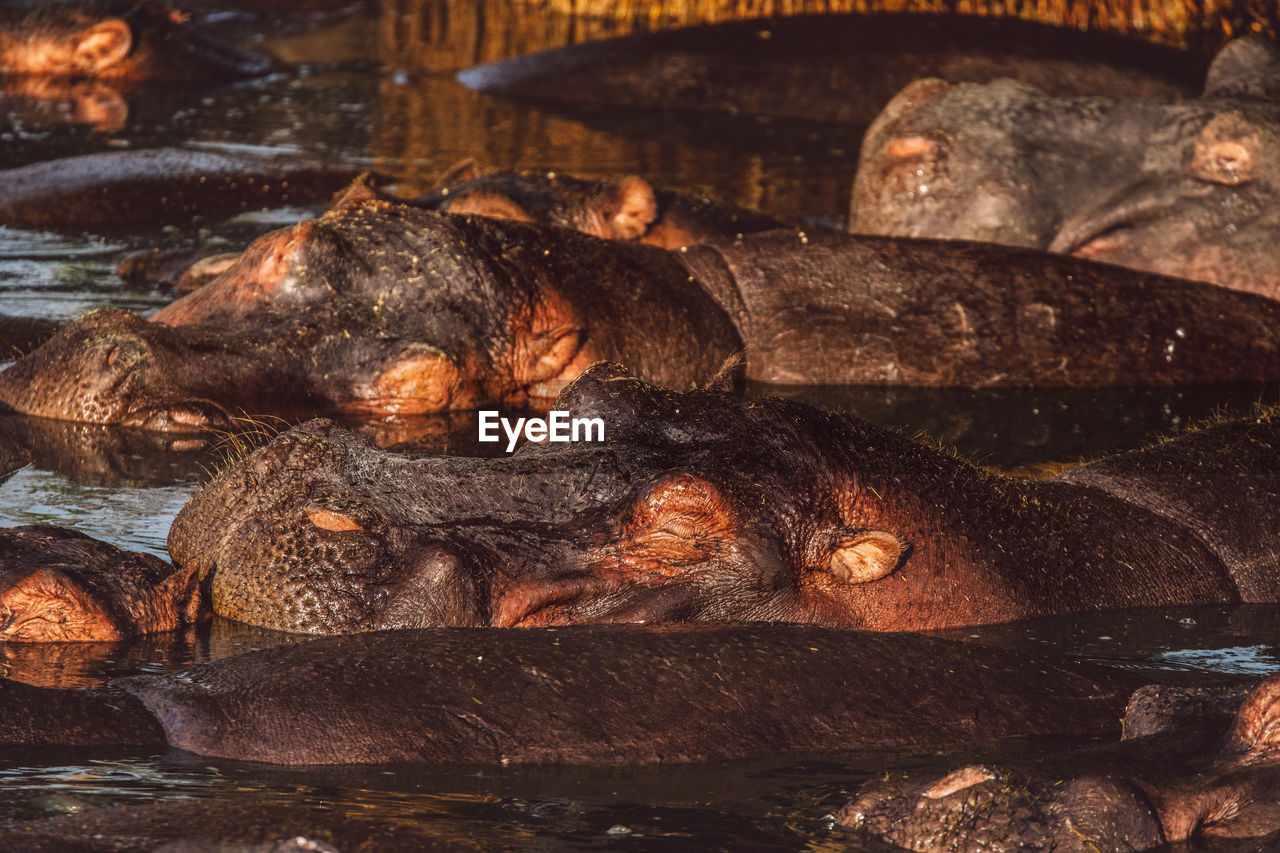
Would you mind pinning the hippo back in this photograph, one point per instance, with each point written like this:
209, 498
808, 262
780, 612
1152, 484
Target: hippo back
1223, 483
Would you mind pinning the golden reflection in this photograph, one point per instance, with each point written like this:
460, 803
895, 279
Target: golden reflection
438, 35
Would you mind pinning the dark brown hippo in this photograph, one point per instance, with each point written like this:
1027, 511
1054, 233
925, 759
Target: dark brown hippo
704, 507
118, 40
841, 68
380, 308
628, 209
59, 585
625, 209
161, 186
617, 694
1146, 793
12, 456
1186, 188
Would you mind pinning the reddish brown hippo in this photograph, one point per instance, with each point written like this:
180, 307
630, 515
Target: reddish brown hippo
59, 585
117, 40
381, 308
707, 507
625, 209
1146, 793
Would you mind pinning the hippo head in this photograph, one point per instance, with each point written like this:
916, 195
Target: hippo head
57, 585
109, 367
949, 160
696, 506
1137, 797
1202, 205
613, 210
1186, 189
117, 40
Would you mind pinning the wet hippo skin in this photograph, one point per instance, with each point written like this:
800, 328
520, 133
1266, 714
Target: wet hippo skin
1185, 188
832, 67
117, 40
379, 308
706, 506
618, 694
625, 209
1191, 783
60, 585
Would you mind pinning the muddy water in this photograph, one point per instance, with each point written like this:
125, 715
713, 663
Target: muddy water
352, 102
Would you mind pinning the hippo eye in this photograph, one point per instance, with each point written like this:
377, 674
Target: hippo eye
113, 355
1228, 162
682, 517
328, 518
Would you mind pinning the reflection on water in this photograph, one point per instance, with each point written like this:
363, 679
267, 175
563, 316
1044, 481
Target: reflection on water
412, 123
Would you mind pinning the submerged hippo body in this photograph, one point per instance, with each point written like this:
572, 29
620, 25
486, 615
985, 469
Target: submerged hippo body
158, 186
1143, 794
59, 585
704, 506
1180, 188
616, 694
383, 308
831, 67
117, 40
626, 209
380, 308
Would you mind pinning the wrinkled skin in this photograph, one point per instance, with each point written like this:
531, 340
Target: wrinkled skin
627, 209
1136, 797
59, 585
1181, 188
158, 186
841, 68
708, 507
377, 308
617, 694
12, 456
117, 40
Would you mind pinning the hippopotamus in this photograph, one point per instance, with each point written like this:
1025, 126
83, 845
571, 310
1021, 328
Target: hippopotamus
12, 456
159, 186
1185, 188
705, 506
832, 67
378, 308
625, 209
1146, 793
602, 694
60, 585
118, 40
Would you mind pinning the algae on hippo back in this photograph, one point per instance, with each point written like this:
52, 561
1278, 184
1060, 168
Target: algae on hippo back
1184, 188
707, 507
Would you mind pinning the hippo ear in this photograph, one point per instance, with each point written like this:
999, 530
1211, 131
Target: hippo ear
681, 517
632, 209
1247, 68
1257, 726
866, 556
96, 48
